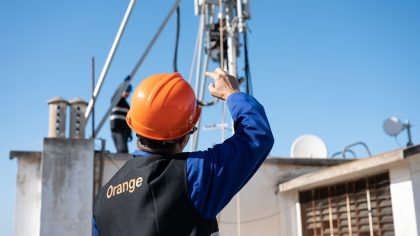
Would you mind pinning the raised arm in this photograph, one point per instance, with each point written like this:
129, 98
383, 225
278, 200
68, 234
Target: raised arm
217, 174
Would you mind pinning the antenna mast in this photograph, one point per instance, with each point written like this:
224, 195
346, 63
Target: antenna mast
218, 37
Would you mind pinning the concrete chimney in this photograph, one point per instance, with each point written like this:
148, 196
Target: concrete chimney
77, 118
57, 117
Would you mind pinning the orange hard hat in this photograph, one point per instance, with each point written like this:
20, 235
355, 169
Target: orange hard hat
163, 107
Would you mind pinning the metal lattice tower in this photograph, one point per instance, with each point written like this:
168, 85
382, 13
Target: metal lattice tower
218, 41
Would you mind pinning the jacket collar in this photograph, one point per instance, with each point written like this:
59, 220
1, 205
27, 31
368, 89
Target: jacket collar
137, 153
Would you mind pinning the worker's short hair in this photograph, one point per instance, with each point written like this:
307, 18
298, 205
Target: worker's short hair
160, 144
156, 144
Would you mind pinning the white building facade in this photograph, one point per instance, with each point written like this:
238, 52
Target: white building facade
379, 195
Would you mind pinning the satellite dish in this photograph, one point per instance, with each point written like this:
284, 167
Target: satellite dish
393, 126
309, 146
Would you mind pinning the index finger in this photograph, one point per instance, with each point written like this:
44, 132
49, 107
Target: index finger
212, 75
220, 71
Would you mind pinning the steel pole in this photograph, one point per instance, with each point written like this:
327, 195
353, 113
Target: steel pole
203, 18
134, 71
109, 59
231, 42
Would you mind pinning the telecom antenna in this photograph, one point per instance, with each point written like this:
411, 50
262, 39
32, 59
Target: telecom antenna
221, 23
308, 146
393, 127
218, 37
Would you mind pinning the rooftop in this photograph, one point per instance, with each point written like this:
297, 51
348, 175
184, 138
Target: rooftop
367, 166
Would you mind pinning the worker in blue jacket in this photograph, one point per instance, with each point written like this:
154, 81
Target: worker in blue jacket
164, 191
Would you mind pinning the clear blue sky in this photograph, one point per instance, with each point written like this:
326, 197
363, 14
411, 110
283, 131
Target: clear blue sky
336, 69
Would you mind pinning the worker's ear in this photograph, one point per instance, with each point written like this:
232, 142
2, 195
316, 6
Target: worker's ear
183, 141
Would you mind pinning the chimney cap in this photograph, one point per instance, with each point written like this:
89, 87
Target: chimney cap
57, 99
77, 101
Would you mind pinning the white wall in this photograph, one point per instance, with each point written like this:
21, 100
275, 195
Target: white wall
28, 196
403, 202
67, 185
264, 210
259, 206
414, 163
68, 168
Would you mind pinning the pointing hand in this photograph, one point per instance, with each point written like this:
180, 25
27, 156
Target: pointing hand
224, 84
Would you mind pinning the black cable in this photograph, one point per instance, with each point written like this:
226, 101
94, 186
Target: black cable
93, 98
175, 59
247, 70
